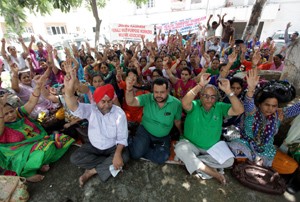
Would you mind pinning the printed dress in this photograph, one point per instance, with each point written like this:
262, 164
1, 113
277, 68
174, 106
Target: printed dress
258, 131
25, 146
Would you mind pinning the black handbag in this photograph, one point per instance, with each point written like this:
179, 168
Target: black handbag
284, 91
259, 178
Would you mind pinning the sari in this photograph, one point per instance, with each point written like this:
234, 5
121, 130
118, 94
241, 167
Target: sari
25, 146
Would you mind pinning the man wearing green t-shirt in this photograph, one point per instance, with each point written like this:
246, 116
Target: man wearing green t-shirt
161, 111
203, 126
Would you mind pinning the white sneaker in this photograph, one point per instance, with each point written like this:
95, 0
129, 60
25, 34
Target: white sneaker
203, 175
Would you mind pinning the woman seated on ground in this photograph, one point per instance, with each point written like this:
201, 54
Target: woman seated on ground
25, 147
260, 124
22, 84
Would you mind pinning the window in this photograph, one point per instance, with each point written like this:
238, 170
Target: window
55, 30
28, 30
196, 1
150, 4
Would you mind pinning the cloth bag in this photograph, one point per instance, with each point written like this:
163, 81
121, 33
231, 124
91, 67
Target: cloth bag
259, 178
13, 189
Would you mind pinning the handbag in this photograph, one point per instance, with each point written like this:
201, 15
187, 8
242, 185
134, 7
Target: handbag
259, 178
13, 189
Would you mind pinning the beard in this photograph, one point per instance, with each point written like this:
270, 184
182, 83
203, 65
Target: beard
160, 99
105, 110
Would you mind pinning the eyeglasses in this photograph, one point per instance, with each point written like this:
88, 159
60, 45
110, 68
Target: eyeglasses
207, 97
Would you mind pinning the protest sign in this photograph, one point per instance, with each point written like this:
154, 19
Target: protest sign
131, 32
182, 26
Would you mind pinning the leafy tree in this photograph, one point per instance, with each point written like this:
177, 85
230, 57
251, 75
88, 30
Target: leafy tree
13, 11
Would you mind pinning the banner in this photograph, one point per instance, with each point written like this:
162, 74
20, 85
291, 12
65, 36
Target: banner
182, 26
131, 32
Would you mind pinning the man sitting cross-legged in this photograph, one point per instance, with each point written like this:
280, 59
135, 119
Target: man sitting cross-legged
203, 126
107, 132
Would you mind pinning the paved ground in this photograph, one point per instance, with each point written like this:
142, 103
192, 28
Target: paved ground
142, 181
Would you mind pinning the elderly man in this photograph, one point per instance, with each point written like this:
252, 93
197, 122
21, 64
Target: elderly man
161, 110
203, 126
107, 132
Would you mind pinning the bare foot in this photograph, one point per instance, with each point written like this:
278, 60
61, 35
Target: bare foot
35, 178
45, 168
221, 178
86, 175
213, 172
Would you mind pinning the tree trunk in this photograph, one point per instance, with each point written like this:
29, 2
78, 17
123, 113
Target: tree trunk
17, 25
251, 27
291, 70
98, 22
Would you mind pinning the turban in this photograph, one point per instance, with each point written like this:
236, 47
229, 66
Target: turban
100, 92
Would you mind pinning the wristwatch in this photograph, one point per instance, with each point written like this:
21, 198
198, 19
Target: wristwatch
230, 94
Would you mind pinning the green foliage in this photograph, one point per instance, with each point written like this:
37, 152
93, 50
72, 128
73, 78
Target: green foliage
14, 17
13, 11
138, 2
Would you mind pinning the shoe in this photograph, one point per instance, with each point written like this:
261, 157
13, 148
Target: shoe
203, 175
221, 171
292, 187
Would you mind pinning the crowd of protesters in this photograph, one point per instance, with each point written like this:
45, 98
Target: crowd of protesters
133, 100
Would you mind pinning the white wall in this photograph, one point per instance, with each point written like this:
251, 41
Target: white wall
288, 12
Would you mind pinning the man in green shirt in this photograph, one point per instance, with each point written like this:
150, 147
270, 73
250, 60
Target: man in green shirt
203, 126
161, 110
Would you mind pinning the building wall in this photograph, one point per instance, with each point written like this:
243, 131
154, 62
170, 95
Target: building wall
275, 16
288, 11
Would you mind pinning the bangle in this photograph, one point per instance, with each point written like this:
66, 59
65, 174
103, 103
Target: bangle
193, 92
129, 90
230, 94
69, 95
200, 85
34, 95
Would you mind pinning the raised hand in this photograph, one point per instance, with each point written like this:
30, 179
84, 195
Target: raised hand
252, 79
67, 52
32, 39
151, 60
20, 39
232, 57
165, 61
39, 80
288, 25
55, 52
3, 100
204, 79
41, 38
224, 85
70, 78
3, 41
49, 48
129, 83
256, 57
244, 48
14, 68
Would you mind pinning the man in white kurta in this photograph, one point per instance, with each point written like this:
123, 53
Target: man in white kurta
107, 133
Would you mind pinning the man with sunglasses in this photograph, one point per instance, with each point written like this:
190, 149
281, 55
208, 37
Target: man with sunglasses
203, 126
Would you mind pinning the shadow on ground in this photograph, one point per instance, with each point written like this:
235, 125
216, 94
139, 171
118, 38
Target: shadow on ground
141, 181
